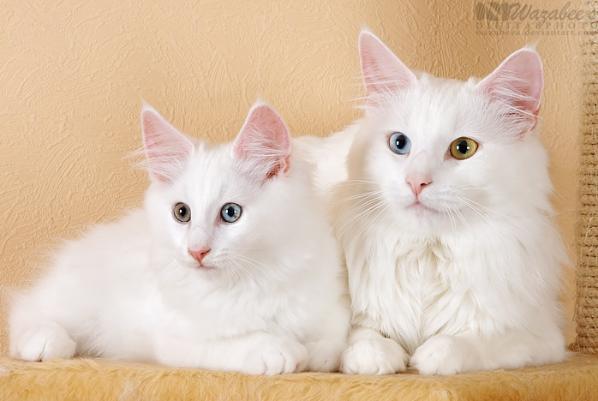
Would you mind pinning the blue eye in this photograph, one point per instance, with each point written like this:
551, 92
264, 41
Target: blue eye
231, 212
399, 143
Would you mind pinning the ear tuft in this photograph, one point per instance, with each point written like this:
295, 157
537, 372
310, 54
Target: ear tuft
166, 149
382, 71
517, 82
263, 142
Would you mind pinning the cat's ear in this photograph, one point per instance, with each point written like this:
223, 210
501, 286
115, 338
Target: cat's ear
166, 149
517, 82
263, 144
382, 71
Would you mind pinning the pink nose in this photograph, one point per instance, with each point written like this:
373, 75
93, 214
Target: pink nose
199, 254
417, 184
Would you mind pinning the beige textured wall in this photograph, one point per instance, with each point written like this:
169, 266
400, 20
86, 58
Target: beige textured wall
72, 75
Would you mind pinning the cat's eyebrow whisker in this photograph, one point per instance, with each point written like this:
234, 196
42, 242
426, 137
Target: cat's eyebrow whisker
385, 95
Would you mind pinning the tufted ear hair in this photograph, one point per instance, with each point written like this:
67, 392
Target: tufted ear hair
166, 149
263, 142
517, 82
381, 69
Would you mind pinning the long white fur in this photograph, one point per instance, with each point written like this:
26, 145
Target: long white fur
274, 301
473, 284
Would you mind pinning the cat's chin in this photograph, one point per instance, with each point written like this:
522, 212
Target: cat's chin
423, 220
204, 267
421, 210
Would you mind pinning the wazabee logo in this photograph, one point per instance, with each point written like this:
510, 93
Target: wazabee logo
518, 17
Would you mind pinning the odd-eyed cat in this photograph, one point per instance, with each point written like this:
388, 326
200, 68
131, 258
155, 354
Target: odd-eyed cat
229, 265
446, 224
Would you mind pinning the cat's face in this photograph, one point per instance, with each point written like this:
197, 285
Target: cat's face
440, 153
216, 209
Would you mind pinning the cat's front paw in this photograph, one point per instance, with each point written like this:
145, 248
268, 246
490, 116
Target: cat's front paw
45, 342
276, 356
444, 355
374, 357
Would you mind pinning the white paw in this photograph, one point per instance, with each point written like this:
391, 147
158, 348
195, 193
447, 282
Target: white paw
444, 355
44, 343
276, 356
374, 357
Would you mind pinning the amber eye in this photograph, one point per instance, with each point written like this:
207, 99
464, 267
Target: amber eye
463, 148
181, 212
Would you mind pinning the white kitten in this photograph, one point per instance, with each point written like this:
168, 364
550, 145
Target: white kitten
453, 259
230, 265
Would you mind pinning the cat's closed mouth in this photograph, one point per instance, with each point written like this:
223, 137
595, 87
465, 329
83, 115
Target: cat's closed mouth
420, 207
203, 267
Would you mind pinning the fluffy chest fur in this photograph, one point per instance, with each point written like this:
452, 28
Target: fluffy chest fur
476, 281
409, 293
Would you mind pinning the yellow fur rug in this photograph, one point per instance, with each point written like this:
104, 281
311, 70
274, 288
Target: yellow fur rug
99, 380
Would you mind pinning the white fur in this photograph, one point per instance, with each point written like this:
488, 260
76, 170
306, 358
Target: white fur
328, 156
471, 280
273, 301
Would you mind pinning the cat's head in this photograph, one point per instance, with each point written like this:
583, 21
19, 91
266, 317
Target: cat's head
219, 208
440, 153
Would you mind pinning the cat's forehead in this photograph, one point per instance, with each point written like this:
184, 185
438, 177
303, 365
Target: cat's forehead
206, 156
434, 107
434, 95
209, 170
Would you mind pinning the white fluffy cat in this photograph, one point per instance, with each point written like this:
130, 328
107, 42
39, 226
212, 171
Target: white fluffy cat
230, 265
446, 224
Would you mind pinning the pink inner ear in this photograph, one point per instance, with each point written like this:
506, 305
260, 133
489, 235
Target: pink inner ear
518, 82
166, 148
264, 141
263, 127
382, 70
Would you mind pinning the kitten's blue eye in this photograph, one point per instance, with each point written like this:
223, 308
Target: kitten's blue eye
231, 212
400, 143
